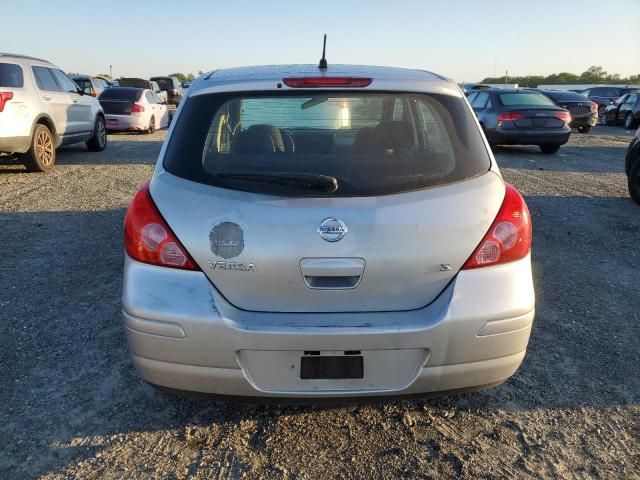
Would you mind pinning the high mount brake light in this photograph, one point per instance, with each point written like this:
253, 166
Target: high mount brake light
4, 98
320, 82
148, 238
510, 116
509, 237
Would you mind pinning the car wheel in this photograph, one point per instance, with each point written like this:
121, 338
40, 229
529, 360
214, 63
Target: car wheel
98, 142
584, 129
549, 148
634, 181
628, 121
41, 156
602, 116
152, 125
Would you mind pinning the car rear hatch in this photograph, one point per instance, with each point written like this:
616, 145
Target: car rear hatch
119, 100
412, 196
578, 109
538, 118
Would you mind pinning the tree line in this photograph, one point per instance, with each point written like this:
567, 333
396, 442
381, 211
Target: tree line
594, 74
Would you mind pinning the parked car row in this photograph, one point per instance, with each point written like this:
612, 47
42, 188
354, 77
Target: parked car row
605, 96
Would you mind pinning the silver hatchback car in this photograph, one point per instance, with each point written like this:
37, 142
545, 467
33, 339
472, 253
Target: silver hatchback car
326, 232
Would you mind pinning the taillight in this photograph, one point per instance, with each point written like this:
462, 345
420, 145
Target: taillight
137, 108
4, 98
510, 116
564, 116
319, 82
509, 237
593, 107
148, 238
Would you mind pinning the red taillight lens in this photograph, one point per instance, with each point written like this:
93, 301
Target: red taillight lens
319, 82
564, 116
593, 107
509, 237
4, 98
148, 238
137, 108
510, 116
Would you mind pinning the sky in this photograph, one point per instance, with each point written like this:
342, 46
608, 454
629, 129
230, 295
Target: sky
466, 40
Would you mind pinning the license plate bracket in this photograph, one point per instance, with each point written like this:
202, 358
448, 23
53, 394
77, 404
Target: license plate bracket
539, 122
329, 367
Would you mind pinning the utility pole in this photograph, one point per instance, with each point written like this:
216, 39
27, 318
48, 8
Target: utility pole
111, 71
506, 77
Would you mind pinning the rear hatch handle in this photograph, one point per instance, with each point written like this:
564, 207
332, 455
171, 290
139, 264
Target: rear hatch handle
332, 273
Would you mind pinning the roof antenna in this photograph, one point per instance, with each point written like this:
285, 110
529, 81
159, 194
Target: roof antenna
323, 61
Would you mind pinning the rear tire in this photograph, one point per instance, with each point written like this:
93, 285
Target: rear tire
628, 121
152, 125
41, 156
550, 149
584, 129
634, 181
98, 142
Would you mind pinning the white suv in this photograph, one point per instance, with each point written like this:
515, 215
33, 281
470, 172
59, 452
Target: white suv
41, 109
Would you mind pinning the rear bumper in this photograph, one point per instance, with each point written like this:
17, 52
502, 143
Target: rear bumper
585, 121
528, 137
183, 335
15, 144
123, 123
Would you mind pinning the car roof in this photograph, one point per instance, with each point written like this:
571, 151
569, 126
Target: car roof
17, 57
269, 78
81, 77
275, 72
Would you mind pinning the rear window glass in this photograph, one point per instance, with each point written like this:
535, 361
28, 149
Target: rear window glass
371, 143
530, 98
121, 93
566, 96
11, 75
164, 83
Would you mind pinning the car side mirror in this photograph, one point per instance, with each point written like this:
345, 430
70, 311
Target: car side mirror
80, 91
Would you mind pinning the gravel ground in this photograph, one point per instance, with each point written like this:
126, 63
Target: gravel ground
73, 407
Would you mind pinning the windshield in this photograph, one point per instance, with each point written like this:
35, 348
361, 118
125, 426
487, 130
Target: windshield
526, 99
367, 143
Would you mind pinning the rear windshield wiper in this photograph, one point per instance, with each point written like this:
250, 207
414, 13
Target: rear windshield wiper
309, 181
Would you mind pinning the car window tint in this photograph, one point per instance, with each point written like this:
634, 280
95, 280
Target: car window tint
66, 84
45, 80
85, 85
355, 137
149, 96
565, 96
524, 99
481, 100
471, 97
605, 92
121, 93
632, 98
11, 75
